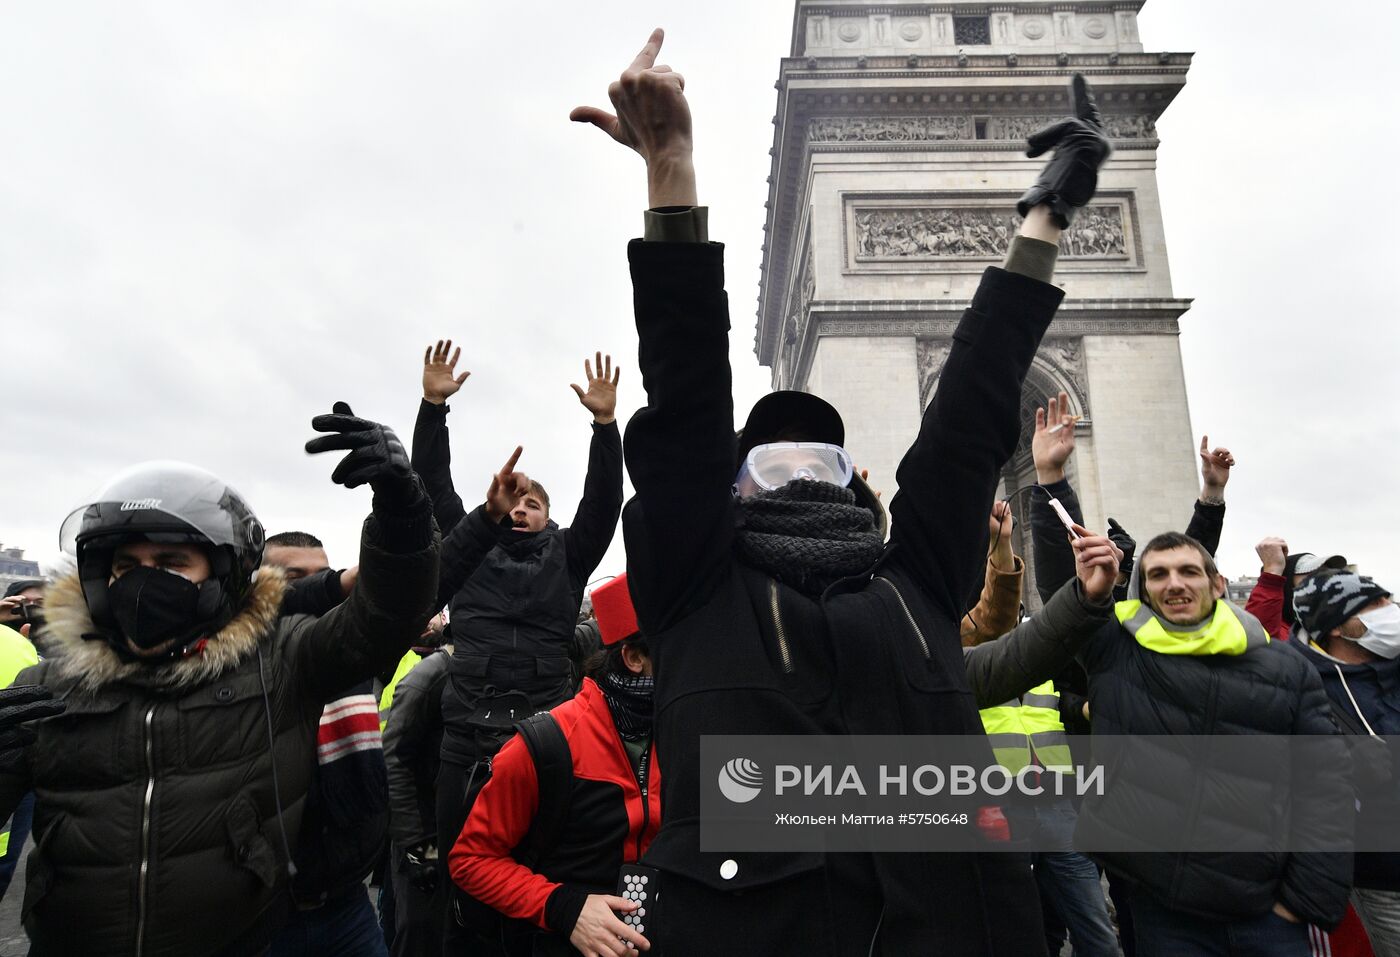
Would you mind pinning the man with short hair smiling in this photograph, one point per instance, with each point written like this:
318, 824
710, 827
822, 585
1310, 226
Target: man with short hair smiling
1182, 660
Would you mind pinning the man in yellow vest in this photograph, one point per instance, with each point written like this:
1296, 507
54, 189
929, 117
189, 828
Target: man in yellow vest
1265, 845
1027, 732
16, 654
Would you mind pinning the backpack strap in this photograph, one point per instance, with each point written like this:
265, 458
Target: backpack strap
554, 772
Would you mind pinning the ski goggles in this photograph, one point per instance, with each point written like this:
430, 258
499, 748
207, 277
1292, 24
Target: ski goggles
769, 467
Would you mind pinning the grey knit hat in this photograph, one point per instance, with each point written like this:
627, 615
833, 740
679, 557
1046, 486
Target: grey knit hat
1327, 599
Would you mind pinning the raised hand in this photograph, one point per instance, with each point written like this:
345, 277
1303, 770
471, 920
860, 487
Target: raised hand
1068, 181
376, 455
1053, 441
601, 396
1000, 525
652, 118
1125, 542
440, 379
507, 487
1096, 563
1215, 470
1273, 554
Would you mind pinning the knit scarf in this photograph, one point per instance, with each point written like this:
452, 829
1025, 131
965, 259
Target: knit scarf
629, 698
808, 534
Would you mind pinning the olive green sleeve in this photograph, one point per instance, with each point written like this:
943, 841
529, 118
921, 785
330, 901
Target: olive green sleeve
677, 224
1031, 257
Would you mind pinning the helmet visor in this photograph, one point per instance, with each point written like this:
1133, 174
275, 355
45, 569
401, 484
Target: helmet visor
771, 466
159, 498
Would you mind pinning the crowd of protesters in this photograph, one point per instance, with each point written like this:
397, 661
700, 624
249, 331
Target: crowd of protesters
218, 742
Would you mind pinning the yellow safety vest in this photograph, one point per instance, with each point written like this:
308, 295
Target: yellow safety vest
1017, 726
386, 697
1228, 631
16, 653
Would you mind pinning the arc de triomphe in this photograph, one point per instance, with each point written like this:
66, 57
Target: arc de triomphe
898, 156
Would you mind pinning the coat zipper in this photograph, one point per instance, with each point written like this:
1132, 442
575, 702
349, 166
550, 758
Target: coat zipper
918, 632
141, 903
783, 651
642, 773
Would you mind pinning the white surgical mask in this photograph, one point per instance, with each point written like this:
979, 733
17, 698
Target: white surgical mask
1382, 631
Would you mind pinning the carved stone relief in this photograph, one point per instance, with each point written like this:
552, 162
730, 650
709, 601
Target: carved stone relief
936, 233
849, 31
931, 354
1033, 29
1095, 29
1067, 358
1060, 365
950, 127
911, 30
884, 129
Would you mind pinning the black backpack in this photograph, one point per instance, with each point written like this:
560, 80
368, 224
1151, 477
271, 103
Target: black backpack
554, 772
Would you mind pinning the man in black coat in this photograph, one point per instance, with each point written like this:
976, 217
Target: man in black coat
1180, 660
784, 611
512, 579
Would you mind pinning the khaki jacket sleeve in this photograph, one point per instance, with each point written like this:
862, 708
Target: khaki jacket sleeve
999, 608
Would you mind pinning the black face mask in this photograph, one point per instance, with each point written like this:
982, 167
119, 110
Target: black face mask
152, 606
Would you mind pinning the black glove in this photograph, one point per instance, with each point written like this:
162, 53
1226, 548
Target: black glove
1119, 536
1069, 179
420, 863
376, 456
18, 704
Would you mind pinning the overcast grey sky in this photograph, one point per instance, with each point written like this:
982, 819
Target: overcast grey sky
218, 217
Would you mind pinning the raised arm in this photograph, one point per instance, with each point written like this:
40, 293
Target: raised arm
1052, 444
1208, 516
432, 454
680, 446
999, 608
1266, 598
397, 583
948, 478
595, 521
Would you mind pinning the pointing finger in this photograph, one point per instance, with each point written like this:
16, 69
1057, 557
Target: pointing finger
510, 462
646, 59
1084, 107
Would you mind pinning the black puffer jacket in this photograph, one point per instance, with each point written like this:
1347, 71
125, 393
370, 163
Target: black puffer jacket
1269, 689
1366, 707
738, 653
156, 829
514, 596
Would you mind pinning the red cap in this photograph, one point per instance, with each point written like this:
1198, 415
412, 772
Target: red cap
612, 606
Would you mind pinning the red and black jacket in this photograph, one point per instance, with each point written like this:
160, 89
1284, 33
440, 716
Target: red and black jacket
612, 819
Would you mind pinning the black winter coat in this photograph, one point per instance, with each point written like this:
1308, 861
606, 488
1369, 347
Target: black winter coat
514, 596
1266, 690
412, 742
1375, 689
155, 826
738, 653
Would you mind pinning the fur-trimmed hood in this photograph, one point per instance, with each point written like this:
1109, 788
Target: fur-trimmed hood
93, 663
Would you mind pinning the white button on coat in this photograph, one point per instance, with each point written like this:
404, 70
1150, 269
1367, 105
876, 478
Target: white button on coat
729, 869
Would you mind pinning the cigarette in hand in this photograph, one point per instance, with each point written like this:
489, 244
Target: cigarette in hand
1055, 428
